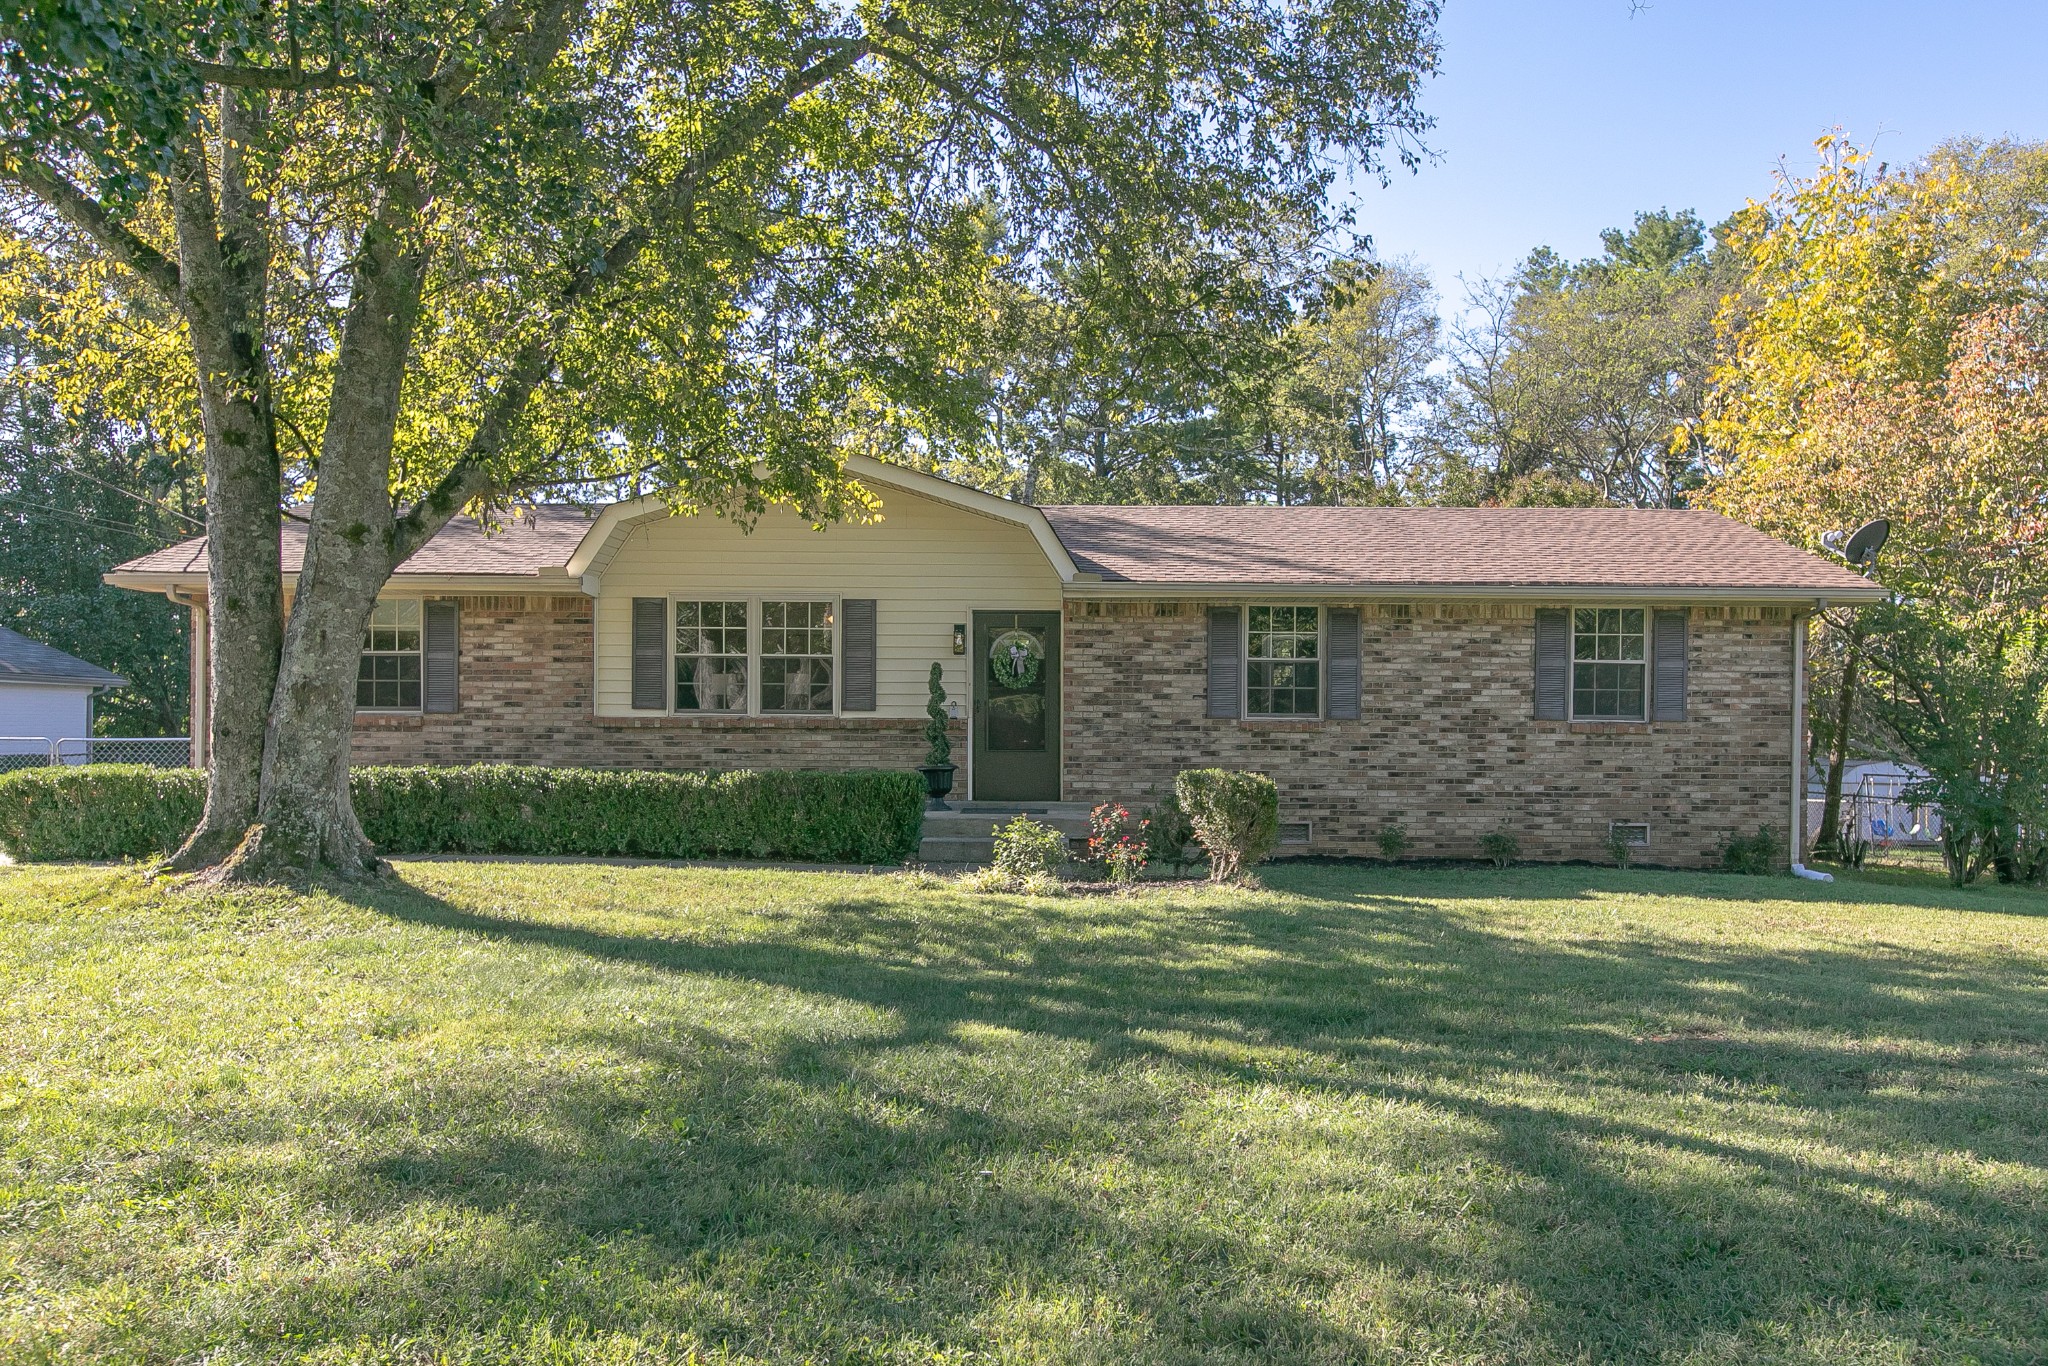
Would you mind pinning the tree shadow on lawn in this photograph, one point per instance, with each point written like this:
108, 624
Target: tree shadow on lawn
1888, 887
1645, 1146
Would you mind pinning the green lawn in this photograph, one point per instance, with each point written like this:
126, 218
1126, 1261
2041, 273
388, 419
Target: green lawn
570, 1113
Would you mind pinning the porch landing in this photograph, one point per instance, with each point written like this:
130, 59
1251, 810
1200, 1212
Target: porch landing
964, 832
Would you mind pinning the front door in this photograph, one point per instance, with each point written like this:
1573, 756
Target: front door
1016, 664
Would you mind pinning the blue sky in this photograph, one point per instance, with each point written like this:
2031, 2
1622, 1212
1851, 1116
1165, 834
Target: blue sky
1556, 118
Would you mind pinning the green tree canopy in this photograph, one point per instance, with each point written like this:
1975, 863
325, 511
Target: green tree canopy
423, 255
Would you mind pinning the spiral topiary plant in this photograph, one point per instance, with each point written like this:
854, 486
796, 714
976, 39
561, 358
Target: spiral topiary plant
938, 748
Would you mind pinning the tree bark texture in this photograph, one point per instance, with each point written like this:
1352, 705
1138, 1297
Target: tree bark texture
304, 816
1827, 842
222, 274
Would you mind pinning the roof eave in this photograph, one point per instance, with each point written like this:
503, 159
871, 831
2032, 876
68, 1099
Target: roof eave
524, 581
1382, 592
64, 680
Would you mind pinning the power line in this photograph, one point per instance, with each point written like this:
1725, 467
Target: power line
78, 518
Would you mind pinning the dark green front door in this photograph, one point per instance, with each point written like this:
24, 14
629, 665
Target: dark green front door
1016, 663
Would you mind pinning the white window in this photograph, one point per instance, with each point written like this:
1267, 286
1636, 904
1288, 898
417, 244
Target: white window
796, 656
388, 674
1283, 661
1609, 663
711, 656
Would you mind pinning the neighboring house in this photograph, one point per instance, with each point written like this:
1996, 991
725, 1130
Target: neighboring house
1552, 671
45, 696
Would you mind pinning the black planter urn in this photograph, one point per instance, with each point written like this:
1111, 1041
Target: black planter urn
938, 781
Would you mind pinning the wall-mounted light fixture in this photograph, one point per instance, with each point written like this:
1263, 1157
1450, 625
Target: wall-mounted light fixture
960, 638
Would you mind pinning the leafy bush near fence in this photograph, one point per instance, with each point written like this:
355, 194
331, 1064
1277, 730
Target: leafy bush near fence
1235, 815
98, 811
118, 811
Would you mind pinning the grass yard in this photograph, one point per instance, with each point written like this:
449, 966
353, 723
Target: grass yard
591, 1113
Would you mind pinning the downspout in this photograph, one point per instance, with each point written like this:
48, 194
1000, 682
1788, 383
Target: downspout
1798, 827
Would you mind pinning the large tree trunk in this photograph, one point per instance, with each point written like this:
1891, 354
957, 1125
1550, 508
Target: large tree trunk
222, 277
305, 822
1827, 843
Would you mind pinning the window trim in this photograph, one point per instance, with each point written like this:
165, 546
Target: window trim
832, 609
755, 618
1571, 681
420, 654
1244, 654
675, 657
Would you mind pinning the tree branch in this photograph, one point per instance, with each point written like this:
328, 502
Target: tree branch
90, 217
469, 477
271, 78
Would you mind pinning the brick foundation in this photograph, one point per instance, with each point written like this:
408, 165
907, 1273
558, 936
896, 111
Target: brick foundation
524, 688
1447, 746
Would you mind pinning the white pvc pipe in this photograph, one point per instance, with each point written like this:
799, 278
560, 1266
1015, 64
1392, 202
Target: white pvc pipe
1797, 831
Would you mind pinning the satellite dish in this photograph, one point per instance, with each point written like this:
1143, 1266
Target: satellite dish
1866, 541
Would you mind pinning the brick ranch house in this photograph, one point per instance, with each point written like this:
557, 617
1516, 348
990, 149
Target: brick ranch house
1552, 671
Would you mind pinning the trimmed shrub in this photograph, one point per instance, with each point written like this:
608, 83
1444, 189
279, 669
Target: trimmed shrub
98, 811
864, 817
1235, 815
1025, 849
101, 811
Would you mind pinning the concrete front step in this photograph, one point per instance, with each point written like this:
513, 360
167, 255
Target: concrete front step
964, 832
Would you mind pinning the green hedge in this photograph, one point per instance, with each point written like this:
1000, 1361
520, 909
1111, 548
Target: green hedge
106, 811
98, 811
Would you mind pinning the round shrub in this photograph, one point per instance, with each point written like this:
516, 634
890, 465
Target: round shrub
1235, 815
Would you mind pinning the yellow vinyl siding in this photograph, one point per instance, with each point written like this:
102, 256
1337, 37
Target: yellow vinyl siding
927, 566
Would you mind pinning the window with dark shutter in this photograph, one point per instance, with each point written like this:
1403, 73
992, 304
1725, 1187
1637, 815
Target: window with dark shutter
1668, 664
650, 654
857, 650
438, 694
1343, 666
1226, 662
1553, 663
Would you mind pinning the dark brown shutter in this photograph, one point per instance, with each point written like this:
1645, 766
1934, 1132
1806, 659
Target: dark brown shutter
1553, 663
439, 655
1667, 662
650, 654
1226, 662
857, 645
1343, 703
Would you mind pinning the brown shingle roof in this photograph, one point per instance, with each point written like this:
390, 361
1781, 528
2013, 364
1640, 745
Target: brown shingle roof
1440, 548
543, 538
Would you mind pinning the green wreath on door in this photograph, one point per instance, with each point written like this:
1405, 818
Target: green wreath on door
1015, 657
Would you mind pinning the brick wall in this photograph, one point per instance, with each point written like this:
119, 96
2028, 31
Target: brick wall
1447, 745
524, 688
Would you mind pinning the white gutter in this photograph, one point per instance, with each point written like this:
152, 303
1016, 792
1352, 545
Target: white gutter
1084, 587
1797, 829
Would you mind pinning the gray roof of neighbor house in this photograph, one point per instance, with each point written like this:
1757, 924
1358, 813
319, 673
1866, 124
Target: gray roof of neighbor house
30, 661
531, 542
1485, 549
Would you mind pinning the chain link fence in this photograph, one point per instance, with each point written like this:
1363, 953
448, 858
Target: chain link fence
157, 751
